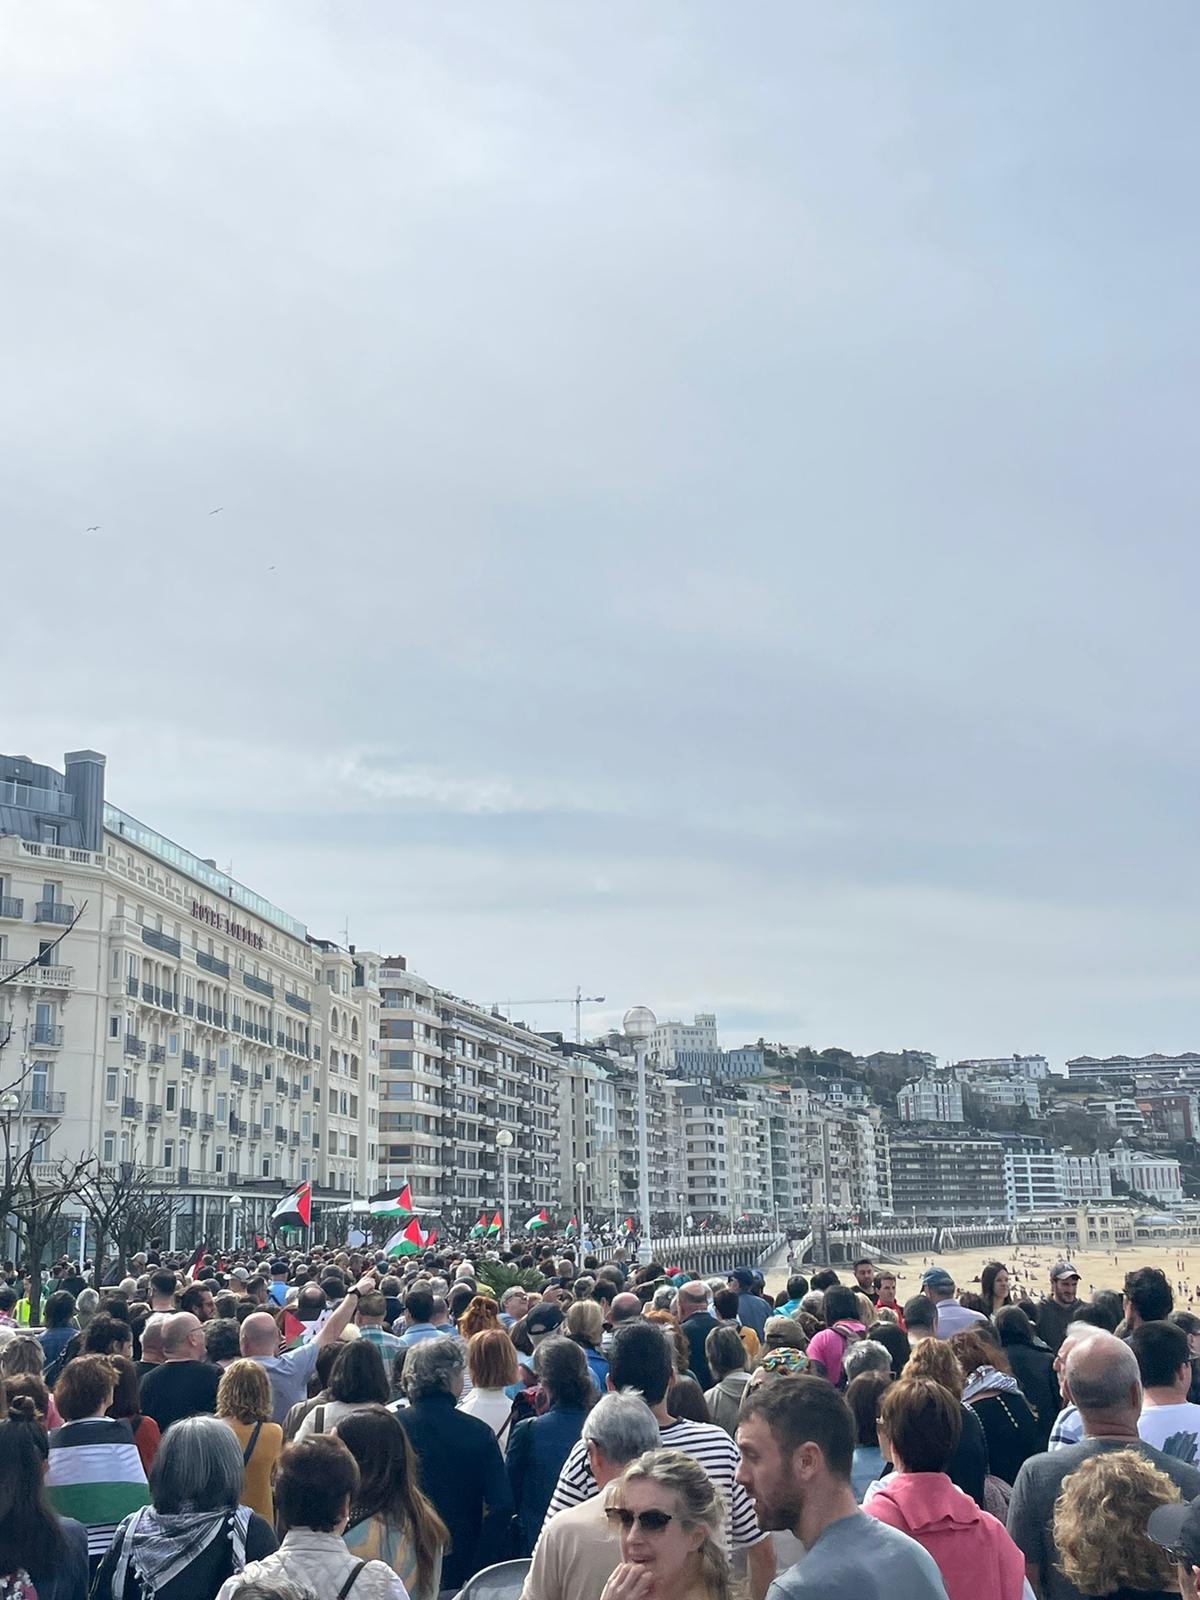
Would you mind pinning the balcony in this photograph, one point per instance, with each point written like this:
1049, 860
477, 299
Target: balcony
158, 1054
259, 985
297, 1002
190, 1060
207, 963
58, 911
203, 1012
130, 1107
280, 1134
11, 906
43, 1103
255, 1131
296, 1091
36, 976
132, 987
236, 1126
134, 1047
154, 1114
208, 1067
206, 1122
294, 1141
46, 1035
256, 1080
189, 1005
161, 941
238, 1075
187, 1117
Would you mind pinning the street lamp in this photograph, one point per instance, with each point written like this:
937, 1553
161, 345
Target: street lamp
682, 1228
504, 1141
235, 1212
614, 1189
639, 1023
580, 1169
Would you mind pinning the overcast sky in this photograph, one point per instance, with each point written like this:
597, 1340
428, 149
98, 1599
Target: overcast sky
709, 492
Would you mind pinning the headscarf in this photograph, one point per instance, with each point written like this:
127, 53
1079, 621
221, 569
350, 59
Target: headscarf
785, 1361
986, 1379
159, 1546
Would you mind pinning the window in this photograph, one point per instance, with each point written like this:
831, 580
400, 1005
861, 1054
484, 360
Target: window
110, 1091
267, 1116
223, 1057
168, 1152
266, 1166
219, 1159
110, 1148
172, 1044
306, 1126
114, 1027
222, 1108
172, 1096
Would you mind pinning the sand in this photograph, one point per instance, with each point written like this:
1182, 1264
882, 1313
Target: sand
1029, 1266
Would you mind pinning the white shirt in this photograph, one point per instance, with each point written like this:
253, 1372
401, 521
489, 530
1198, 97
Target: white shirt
319, 1562
1175, 1430
492, 1406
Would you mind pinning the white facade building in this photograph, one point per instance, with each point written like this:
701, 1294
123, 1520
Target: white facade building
178, 1024
1008, 1094
1035, 1067
695, 1039
1157, 1177
930, 1100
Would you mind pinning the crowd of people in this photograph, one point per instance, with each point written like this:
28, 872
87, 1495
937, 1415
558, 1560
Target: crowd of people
339, 1426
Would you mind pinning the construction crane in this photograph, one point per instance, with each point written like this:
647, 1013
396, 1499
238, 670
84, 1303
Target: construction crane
578, 1000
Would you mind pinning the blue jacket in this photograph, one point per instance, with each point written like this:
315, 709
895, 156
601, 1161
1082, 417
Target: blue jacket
536, 1451
599, 1368
753, 1311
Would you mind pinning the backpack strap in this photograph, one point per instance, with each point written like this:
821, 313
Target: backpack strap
319, 1427
350, 1581
249, 1450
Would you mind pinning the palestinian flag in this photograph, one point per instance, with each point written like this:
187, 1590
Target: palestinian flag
540, 1221
295, 1209
495, 1225
628, 1225
197, 1262
572, 1228
480, 1228
400, 1205
259, 1242
406, 1241
294, 1331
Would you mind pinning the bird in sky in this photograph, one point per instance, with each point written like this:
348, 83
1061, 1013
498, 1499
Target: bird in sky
215, 510
95, 528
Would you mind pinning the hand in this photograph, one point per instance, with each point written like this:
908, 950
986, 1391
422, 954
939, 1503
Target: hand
629, 1582
366, 1284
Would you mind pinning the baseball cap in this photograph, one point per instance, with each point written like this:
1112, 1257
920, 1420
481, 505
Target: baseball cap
240, 1273
543, 1319
279, 1266
938, 1278
1177, 1529
744, 1276
1062, 1269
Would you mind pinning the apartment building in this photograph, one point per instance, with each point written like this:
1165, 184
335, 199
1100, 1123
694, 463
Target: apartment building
947, 1179
930, 1100
696, 1041
452, 1074
158, 1012
1035, 1067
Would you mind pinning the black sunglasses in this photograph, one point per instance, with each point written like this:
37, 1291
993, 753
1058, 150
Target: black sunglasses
649, 1521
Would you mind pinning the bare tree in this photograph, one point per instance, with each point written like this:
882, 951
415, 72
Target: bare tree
126, 1209
41, 1193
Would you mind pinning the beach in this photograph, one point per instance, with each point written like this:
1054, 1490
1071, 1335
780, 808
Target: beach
1029, 1266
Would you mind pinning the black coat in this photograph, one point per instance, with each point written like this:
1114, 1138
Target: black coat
1033, 1368
463, 1474
696, 1330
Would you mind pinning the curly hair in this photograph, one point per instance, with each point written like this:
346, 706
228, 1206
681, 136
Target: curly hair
1100, 1518
933, 1358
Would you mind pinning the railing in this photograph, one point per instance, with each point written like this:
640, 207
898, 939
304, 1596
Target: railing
134, 1047
211, 964
259, 985
131, 1107
154, 1113
188, 1006
158, 1054
208, 1066
11, 906
236, 1126
280, 1134
53, 911
43, 1103
296, 1001
131, 987
187, 1117
161, 941
49, 1034
238, 1075
190, 1060
296, 1091
206, 1122
37, 976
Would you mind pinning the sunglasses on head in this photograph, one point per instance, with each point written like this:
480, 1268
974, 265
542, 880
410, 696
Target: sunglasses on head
648, 1521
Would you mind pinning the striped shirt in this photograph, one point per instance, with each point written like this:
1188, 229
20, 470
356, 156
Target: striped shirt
96, 1476
1067, 1429
709, 1445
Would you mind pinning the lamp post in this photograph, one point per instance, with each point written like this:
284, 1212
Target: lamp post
235, 1214
614, 1190
580, 1169
504, 1141
639, 1023
682, 1228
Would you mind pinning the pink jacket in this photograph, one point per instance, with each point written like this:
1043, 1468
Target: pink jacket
974, 1554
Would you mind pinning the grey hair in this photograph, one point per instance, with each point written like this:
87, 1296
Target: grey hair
87, 1303
664, 1298
432, 1366
1104, 1384
197, 1467
622, 1427
868, 1355
814, 1303
513, 1289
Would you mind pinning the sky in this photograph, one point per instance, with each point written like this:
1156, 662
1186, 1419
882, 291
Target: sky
707, 494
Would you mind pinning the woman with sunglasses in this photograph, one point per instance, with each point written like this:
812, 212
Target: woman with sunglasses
671, 1521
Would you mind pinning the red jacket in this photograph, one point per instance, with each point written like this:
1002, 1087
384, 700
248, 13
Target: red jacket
975, 1555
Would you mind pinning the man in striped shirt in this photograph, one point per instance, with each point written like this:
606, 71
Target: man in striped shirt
642, 1360
94, 1472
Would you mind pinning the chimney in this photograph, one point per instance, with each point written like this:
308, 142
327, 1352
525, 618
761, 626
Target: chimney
84, 781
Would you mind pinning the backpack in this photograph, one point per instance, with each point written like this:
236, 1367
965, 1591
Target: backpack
848, 1336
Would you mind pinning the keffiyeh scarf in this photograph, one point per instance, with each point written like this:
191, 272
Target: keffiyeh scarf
985, 1379
159, 1547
